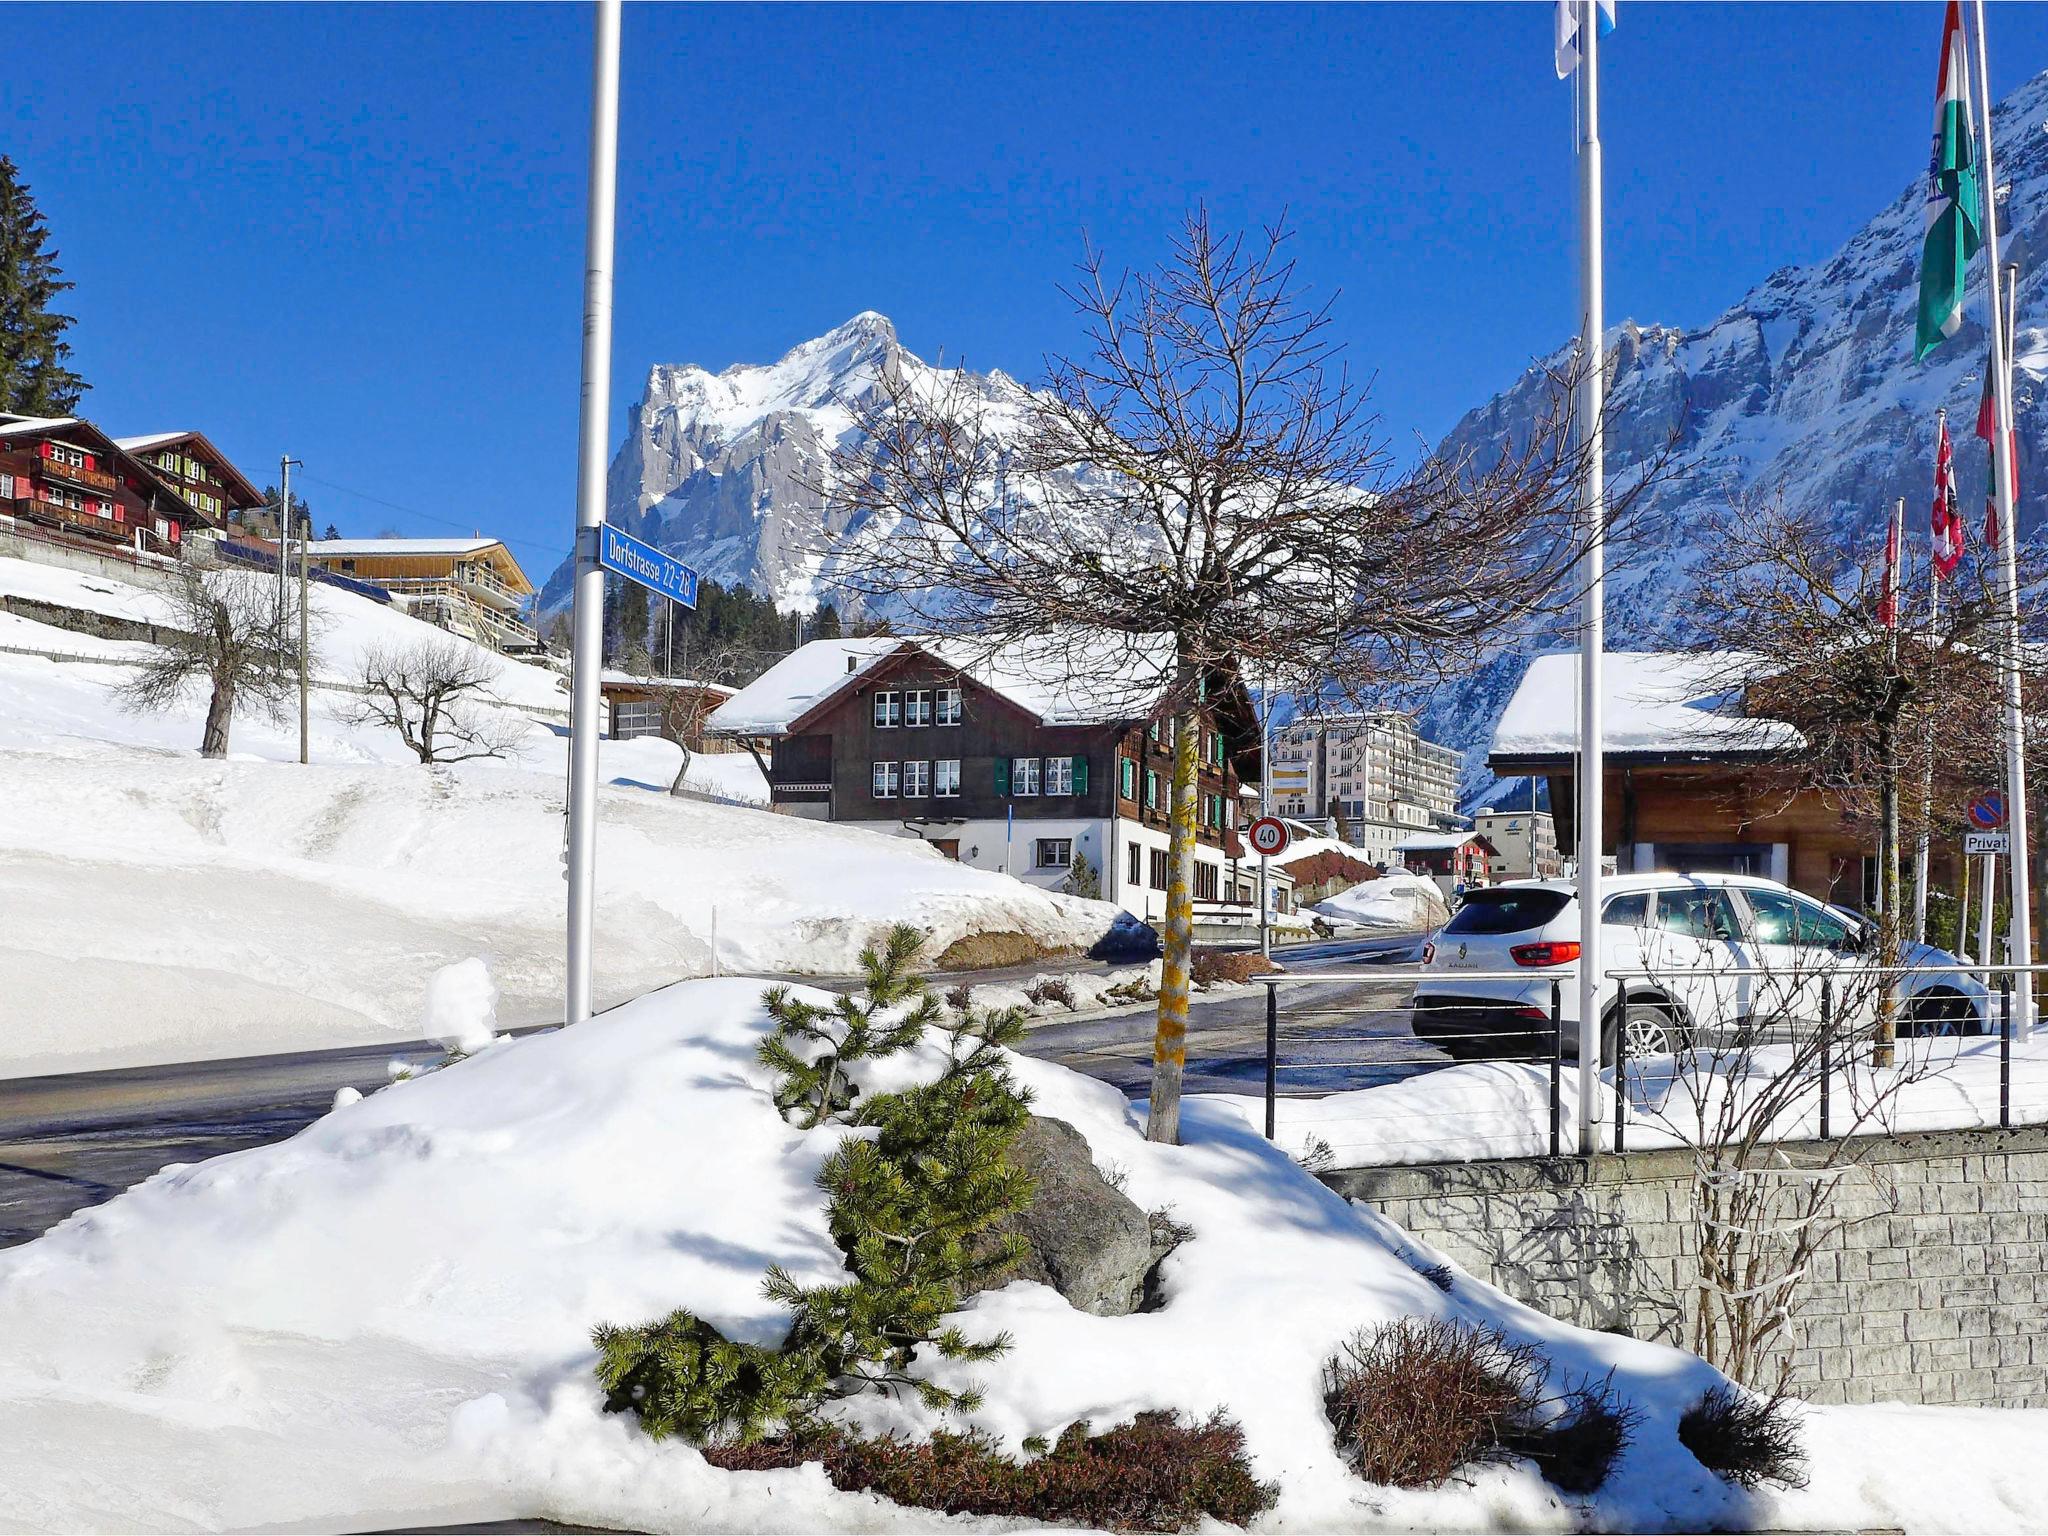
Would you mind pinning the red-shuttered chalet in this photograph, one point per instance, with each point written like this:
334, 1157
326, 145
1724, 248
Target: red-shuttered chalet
66, 474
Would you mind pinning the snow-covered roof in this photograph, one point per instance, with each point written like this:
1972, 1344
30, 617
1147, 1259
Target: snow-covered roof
1656, 701
1078, 679
21, 424
150, 440
400, 546
612, 675
1432, 842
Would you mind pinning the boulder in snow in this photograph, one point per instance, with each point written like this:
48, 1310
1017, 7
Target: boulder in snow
1087, 1239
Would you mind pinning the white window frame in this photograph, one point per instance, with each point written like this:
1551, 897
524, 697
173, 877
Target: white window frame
888, 710
888, 778
634, 718
68, 456
1059, 775
1038, 853
917, 707
946, 778
1024, 777
917, 778
949, 707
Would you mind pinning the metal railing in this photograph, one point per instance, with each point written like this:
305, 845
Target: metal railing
1529, 1034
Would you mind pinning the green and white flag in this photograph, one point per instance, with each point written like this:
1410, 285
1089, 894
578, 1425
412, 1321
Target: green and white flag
1953, 210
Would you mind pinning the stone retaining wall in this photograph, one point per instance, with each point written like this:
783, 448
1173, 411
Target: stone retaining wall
1935, 1291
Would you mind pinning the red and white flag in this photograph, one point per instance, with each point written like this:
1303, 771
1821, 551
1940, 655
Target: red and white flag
1987, 428
1948, 518
1888, 602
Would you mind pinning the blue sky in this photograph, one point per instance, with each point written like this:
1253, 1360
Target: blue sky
355, 233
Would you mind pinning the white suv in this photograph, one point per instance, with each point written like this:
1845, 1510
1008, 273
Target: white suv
1685, 935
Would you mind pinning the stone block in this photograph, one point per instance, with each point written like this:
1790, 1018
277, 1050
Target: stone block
1969, 1230
1934, 1262
1921, 1326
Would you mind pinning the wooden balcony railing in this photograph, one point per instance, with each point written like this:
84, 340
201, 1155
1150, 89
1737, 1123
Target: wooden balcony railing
73, 474
71, 517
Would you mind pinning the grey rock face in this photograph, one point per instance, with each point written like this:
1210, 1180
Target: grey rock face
1087, 1240
1804, 391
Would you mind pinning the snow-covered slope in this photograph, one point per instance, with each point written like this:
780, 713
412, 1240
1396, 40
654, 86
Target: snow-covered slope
161, 907
723, 469
1804, 389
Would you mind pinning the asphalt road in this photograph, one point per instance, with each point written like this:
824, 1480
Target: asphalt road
74, 1140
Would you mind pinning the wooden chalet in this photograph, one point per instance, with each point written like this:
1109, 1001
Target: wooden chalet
200, 473
1683, 784
472, 587
1007, 760
64, 475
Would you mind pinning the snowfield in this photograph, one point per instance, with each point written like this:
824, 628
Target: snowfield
162, 907
384, 1321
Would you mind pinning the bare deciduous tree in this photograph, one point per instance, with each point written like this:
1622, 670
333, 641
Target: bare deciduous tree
228, 630
684, 710
437, 694
1795, 624
1207, 483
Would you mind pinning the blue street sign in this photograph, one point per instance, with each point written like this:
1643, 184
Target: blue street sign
641, 562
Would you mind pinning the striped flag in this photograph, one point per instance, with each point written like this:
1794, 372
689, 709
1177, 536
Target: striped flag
1948, 518
1888, 602
1987, 428
1953, 212
1565, 32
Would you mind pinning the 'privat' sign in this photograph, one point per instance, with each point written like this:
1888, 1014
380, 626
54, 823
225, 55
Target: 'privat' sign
1987, 842
641, 562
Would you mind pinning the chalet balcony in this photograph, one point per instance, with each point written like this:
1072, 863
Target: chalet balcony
73, 474
452, 607
479, 583
70, 517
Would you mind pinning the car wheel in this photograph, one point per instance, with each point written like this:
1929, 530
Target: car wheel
1941, 1011
1648, 1029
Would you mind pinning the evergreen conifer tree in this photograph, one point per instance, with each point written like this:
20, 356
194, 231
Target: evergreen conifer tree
35, 379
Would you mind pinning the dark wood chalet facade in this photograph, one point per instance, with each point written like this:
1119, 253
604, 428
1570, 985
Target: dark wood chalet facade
66, 476
892, 732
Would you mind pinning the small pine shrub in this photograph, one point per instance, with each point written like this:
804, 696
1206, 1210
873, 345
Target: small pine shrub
1051, 989
1211, 966
910, 1207
1083, 879
1438, 1275
960, 998
1414, 1401
1747, 1439
1156, 1473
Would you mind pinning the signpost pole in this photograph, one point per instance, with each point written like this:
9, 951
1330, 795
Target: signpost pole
588, 588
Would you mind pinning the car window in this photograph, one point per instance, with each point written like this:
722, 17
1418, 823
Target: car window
1505, 909
1821, 928
1706, 915
1628, 911
1777, 917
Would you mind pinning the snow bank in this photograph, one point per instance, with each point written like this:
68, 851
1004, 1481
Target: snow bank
1398, 899
1502, 1109
384, 1320
162, 907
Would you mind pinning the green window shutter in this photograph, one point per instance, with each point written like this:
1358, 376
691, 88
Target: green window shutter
1151, 787
1080, 775
1002, 775
1127, 777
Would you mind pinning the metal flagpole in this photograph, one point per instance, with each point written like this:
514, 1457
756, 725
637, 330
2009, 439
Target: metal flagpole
1265, 809
1592, 635
2020, 948
305, 555
1923, 848
588, 589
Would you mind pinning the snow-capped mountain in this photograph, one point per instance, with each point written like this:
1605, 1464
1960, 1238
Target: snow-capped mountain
1806, 390
722, 469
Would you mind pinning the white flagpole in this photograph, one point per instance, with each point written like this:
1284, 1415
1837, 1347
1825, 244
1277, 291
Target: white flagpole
2020, 947
1922, 850
593, 429
1592, 633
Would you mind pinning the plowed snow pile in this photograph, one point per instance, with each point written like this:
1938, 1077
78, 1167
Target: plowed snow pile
383, 1322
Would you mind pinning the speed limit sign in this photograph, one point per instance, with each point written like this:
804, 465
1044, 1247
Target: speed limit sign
1268, 836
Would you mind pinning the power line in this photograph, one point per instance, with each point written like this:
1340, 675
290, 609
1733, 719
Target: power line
555, 550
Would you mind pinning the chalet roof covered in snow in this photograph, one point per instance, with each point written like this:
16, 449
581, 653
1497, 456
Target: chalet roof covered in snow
1081, 679
1657, 702
400, 546
1435, 842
